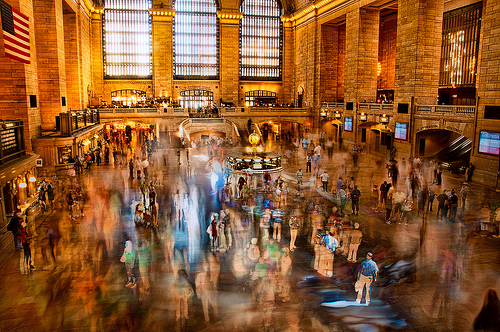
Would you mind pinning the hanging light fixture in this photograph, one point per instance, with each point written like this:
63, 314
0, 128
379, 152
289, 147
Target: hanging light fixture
32, 179
23, 184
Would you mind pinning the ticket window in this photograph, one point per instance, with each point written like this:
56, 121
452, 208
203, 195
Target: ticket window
64, 155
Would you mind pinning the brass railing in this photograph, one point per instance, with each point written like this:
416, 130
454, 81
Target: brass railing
74, 121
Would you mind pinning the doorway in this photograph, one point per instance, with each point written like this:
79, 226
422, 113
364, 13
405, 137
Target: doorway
421, 147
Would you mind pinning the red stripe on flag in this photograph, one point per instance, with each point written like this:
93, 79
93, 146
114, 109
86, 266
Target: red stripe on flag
24, 39
18, 28
20, 22
13, 41
20, 14
17, 58
16, 50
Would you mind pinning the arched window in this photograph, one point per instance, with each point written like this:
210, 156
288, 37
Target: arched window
127, 39
260, 40
196, 42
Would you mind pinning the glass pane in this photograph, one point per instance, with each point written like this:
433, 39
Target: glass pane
260, 40
127, 38
460, 46
196, 47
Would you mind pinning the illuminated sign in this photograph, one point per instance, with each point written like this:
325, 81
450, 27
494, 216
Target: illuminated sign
489, 143
348, 124
401, 131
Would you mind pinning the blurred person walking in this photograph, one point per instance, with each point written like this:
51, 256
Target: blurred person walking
130, 168
144, 260
355, 195
206, 293
128, 258
183, 291
354, 242
26, 237
14, 227
442, 209
464, 192
294, 230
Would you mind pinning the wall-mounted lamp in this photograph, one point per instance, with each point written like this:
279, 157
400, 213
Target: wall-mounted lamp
384, 118
32, 179
322, 113
337, 115
362, 117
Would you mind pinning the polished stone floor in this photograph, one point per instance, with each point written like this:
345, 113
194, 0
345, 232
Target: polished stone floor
433, 273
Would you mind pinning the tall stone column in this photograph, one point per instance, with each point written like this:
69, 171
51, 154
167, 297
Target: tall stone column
229, 55
97, 82
361, 58
488, 92
287, 73
418, 54
72, 61
418, 48
329, 63
49, 30
162, 51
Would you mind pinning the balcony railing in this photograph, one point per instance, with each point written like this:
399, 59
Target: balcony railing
181, 111
75, 121
335, 105
376, 106
129, 110
277, 109
459, 110
11, 140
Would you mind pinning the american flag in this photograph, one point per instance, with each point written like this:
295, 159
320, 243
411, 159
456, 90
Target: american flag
16, 33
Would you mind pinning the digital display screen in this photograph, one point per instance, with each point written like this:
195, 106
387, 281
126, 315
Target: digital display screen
347, 124
489, 143
401, 131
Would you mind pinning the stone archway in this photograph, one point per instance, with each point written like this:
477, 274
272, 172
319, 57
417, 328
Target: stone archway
442, 145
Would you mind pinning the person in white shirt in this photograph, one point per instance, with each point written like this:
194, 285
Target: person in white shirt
324, 179
317, 155
343, 198
464, 191
145, 165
